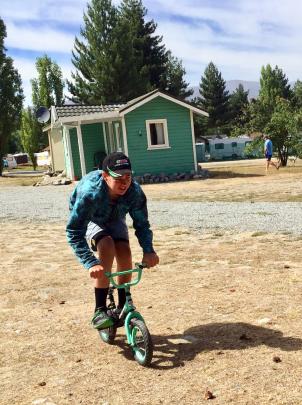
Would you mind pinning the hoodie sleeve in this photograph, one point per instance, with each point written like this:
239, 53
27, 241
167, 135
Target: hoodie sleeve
80, 213
139, 215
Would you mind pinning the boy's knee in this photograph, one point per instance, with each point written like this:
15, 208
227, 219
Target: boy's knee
106, 243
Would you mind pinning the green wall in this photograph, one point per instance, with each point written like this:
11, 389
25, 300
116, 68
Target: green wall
93, 141
179, 158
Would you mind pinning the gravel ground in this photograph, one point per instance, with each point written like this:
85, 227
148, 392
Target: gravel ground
51, 204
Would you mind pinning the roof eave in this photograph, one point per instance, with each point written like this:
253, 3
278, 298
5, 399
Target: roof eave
134, 106
88, 117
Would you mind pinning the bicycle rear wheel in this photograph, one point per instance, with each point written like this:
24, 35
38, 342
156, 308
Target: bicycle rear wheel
108, 335
142, 342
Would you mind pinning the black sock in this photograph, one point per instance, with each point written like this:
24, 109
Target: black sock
121, 297
100, 297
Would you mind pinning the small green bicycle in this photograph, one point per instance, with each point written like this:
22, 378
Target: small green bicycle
137, 333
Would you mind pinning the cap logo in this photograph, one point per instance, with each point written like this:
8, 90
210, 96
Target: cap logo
122, 162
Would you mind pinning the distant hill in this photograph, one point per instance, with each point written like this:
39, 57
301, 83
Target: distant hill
231, 86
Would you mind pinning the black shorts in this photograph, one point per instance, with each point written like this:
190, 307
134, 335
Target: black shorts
118, 231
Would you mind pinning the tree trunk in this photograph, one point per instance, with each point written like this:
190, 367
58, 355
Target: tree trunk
283, 156
1, 165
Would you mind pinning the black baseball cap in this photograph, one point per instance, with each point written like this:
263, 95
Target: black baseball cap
116, 164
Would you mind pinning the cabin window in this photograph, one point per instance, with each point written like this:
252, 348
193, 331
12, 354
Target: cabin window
219, 145
234, 144
157, 133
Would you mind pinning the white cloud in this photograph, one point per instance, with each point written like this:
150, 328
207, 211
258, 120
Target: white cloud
68, 11
238, 36
43, 39
27, 70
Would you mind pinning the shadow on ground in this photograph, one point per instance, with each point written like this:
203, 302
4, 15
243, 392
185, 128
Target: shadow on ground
172, 351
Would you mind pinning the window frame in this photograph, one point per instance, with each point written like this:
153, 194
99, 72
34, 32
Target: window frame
165, 145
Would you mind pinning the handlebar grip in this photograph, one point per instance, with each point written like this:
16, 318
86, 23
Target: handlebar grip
141, 265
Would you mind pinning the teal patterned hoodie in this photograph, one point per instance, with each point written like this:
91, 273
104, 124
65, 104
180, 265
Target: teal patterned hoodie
90, 202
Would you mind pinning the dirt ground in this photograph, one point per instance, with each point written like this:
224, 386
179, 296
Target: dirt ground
224, 311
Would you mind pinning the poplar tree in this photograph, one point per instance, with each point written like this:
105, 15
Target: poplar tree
297, 95
273, 84
11, 96
47, 88
30, 134
213, 97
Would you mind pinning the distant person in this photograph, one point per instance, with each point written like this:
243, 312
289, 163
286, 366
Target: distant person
268, 152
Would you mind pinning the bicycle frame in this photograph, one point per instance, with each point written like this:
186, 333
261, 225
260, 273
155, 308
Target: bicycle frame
128, 311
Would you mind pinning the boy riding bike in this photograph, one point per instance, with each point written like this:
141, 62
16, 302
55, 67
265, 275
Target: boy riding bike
98, 208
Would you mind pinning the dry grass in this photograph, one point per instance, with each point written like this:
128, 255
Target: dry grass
18, 181
235, 183
224, 311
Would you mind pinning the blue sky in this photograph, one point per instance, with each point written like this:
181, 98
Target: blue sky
239, 36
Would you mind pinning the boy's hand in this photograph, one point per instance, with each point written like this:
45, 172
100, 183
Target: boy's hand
150, 259
96, 271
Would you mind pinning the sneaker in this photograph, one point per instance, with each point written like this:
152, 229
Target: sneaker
101, 320
115, 315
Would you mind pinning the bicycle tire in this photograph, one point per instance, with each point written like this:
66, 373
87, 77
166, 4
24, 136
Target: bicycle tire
143, 347
108, 335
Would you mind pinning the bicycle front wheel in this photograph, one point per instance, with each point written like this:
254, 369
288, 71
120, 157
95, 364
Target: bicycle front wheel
142, 342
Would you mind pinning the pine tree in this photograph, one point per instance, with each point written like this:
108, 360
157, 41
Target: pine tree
213, 97
128, 80
11, 96
174, 78
92, 57
151, 55
238, 101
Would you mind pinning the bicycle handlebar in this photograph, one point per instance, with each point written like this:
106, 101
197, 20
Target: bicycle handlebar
138, 269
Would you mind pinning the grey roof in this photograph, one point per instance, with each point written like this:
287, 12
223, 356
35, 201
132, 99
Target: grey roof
76, 110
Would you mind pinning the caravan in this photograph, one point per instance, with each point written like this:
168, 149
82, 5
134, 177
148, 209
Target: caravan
223, 148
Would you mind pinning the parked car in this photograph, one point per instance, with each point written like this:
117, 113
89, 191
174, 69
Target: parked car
9, 162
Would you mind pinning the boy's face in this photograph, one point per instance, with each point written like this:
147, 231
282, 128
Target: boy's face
118, 186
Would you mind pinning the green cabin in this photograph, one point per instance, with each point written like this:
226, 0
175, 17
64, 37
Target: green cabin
155, 130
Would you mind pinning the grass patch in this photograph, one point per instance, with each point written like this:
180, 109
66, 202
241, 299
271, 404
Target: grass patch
217, 235
259, 233
17, 181
263, 213
181, 233
26, 167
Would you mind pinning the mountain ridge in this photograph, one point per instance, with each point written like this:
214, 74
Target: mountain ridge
231, 85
